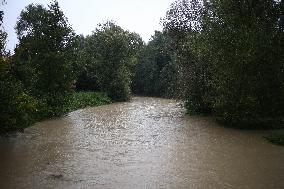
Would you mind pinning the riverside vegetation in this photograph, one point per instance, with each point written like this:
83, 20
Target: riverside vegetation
223, 58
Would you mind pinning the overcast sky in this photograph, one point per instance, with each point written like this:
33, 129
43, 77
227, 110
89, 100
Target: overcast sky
141, 16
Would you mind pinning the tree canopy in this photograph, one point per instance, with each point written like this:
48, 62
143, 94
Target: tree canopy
45, 54
235, 62
222, 57
110, 57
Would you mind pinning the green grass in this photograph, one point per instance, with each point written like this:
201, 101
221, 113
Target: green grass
277, 138
80, 100
76, 100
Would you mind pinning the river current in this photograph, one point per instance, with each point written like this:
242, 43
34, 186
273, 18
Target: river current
146, 143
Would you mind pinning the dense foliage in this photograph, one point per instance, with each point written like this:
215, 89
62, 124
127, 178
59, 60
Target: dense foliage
85, 99
38, 80
110, 55
156, 72
234, 63
43, 59
16, 104
223, 58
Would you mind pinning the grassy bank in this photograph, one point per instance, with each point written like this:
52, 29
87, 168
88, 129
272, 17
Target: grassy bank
277, 138
19, 120
80, 100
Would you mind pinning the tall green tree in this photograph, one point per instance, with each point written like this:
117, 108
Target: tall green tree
183, 24
111, 54
244, 43
231, 58
16, 104
156, 71
45, 56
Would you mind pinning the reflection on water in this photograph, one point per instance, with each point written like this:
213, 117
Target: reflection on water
147, 143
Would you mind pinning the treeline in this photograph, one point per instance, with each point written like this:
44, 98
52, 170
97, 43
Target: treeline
156, 73
231, 59
54, 71
108, 57
224, 58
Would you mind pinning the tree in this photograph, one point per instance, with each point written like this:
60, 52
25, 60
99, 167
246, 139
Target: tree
245, 45
155, 73
45, 55
15, 103
232, 61
183, 24
111, 54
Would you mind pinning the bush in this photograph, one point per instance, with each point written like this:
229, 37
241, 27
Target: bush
110, 56
84, 99
17, 107
232, 62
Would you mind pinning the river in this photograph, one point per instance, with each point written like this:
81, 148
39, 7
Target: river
146, 143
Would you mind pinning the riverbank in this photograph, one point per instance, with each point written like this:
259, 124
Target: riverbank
85, 99
277, 138
77, 100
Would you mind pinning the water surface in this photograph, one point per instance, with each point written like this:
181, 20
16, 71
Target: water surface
146, 143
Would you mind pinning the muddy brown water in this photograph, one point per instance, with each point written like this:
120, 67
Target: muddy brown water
146, 143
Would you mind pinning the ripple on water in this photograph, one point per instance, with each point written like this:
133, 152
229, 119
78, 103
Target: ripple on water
145, 143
